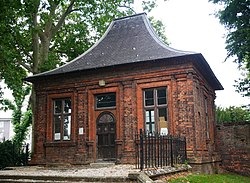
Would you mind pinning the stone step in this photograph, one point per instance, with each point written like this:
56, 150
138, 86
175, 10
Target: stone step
101, 164
59, 179
46, 181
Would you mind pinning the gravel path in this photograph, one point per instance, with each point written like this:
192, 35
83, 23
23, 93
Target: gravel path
72, 171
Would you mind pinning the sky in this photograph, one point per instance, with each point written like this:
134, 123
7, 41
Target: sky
192, 26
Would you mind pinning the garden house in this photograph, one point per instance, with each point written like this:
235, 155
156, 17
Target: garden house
91, 108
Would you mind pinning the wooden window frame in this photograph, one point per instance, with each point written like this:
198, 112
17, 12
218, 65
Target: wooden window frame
50, 119
62, 116
155, 107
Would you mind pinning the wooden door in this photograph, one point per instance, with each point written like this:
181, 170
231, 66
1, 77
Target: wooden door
106, 136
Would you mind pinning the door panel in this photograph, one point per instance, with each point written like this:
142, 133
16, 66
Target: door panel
106, 136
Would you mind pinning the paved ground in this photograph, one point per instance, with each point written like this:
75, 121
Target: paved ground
72, 171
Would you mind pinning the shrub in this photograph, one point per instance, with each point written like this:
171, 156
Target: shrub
11, 155
6, 154
232, 114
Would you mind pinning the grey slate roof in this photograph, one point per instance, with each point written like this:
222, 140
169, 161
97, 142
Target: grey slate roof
128, 40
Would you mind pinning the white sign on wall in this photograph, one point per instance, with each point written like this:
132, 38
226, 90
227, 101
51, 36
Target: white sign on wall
80, 131
57, 136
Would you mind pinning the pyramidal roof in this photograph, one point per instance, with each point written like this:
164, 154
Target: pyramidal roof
127, 40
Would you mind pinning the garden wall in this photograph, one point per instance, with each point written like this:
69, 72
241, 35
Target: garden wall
233, 142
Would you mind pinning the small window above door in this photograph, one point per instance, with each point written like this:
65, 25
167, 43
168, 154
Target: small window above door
107, 100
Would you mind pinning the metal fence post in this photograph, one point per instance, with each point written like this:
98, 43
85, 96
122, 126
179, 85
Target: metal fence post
141, 150
171, 151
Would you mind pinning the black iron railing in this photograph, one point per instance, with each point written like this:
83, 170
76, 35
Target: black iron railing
156, 150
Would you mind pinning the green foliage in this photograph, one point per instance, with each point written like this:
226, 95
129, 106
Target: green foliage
11, 155
38, 35
20, 120
6, 149
235, 16
1, 93
159, 29
243, 84
21, 127
232, 114
214, 178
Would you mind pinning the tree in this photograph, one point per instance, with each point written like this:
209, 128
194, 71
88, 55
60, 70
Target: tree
21, 119
232, 114
235, 16
38, 35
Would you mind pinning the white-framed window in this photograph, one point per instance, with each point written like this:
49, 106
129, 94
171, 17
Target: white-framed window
155, 108
1, 124
62, 110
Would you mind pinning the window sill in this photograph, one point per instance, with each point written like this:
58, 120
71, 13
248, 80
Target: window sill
60, 144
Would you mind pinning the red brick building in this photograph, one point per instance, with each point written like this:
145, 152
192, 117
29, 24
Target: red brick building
92, 107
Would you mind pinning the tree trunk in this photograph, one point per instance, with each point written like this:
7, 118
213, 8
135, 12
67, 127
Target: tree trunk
35, 47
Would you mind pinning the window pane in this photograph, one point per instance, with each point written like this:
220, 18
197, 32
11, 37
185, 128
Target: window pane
57, 129
162, 113
67, 106
106, 118
149, 98
155, 102
147, 127
62, 119
152, 128
152, 116
150, 121
57, 106
161, 96
106, 100
147, 116
66, 128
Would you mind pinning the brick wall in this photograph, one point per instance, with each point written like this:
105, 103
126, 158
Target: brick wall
186, 91
233, 141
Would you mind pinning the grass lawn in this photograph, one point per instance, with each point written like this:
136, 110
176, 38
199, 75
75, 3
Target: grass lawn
215, 178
